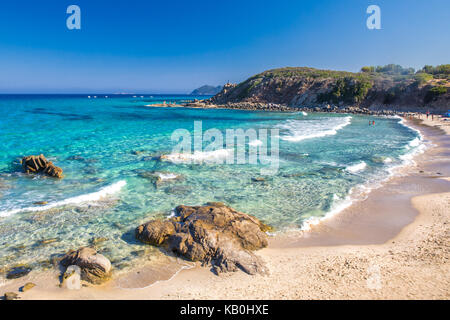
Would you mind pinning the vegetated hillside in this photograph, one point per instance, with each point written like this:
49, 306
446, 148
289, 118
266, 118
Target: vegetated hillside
388, 87
206, 90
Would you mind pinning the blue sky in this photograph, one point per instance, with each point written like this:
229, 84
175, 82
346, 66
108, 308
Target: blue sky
176, 46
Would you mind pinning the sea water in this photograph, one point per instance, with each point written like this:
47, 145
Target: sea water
106, 145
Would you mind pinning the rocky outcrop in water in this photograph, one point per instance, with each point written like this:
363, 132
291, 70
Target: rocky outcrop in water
39, 164
95, 268
213, 234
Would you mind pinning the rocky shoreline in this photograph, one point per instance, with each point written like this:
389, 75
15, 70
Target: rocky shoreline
213, 234
256, 106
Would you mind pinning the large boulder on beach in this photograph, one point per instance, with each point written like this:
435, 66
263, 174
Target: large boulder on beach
39, 164
213, 234
95, 267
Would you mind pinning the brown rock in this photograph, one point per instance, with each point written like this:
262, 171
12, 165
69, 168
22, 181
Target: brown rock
39, 164
11, 296
28, 286
95, 268
40, 203
214, 234
155, 232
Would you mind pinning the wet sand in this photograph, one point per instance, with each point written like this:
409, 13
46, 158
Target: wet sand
392, 245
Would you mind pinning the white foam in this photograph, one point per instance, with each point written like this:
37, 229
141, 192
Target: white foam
338, 206
361, 192
308, 129
89, 197
197, 156
167, 176
356, 167
414, 143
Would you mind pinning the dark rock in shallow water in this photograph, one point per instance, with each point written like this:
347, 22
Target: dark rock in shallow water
18, 272
213, 234
39, 164
77, 158
97, 241
95, 268
47, 241
178, 190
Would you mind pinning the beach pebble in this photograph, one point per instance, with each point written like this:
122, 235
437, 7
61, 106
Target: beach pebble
28, 286
11, 296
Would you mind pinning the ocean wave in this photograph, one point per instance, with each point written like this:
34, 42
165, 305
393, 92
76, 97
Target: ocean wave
197, 156
360, 192
308, 129
94, 196
337, 206
356, 167
416, 145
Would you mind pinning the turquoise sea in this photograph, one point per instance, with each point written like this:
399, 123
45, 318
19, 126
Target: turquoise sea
108, 148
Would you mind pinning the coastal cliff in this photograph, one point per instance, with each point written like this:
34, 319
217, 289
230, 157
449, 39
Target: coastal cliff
389, 87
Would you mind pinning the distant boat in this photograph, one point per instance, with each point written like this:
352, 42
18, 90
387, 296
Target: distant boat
89, 97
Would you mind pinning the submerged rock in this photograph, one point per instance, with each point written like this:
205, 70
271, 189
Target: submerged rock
39, 164
180, 190
159, 177
95, 267
97, 240
47, 241
18, 272
213, 234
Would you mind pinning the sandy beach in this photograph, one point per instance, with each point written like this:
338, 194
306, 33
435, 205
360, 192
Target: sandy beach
392, 244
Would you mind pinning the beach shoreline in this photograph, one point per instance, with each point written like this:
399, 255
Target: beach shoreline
364, 252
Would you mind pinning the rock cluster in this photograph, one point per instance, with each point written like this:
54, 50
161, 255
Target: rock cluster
95, 268
39, 164
213, 234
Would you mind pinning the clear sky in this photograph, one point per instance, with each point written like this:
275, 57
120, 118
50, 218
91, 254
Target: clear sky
175, 46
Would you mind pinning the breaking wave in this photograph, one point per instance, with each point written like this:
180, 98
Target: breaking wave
94, 196
299, 130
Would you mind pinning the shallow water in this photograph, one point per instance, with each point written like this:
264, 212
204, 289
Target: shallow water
107, 148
